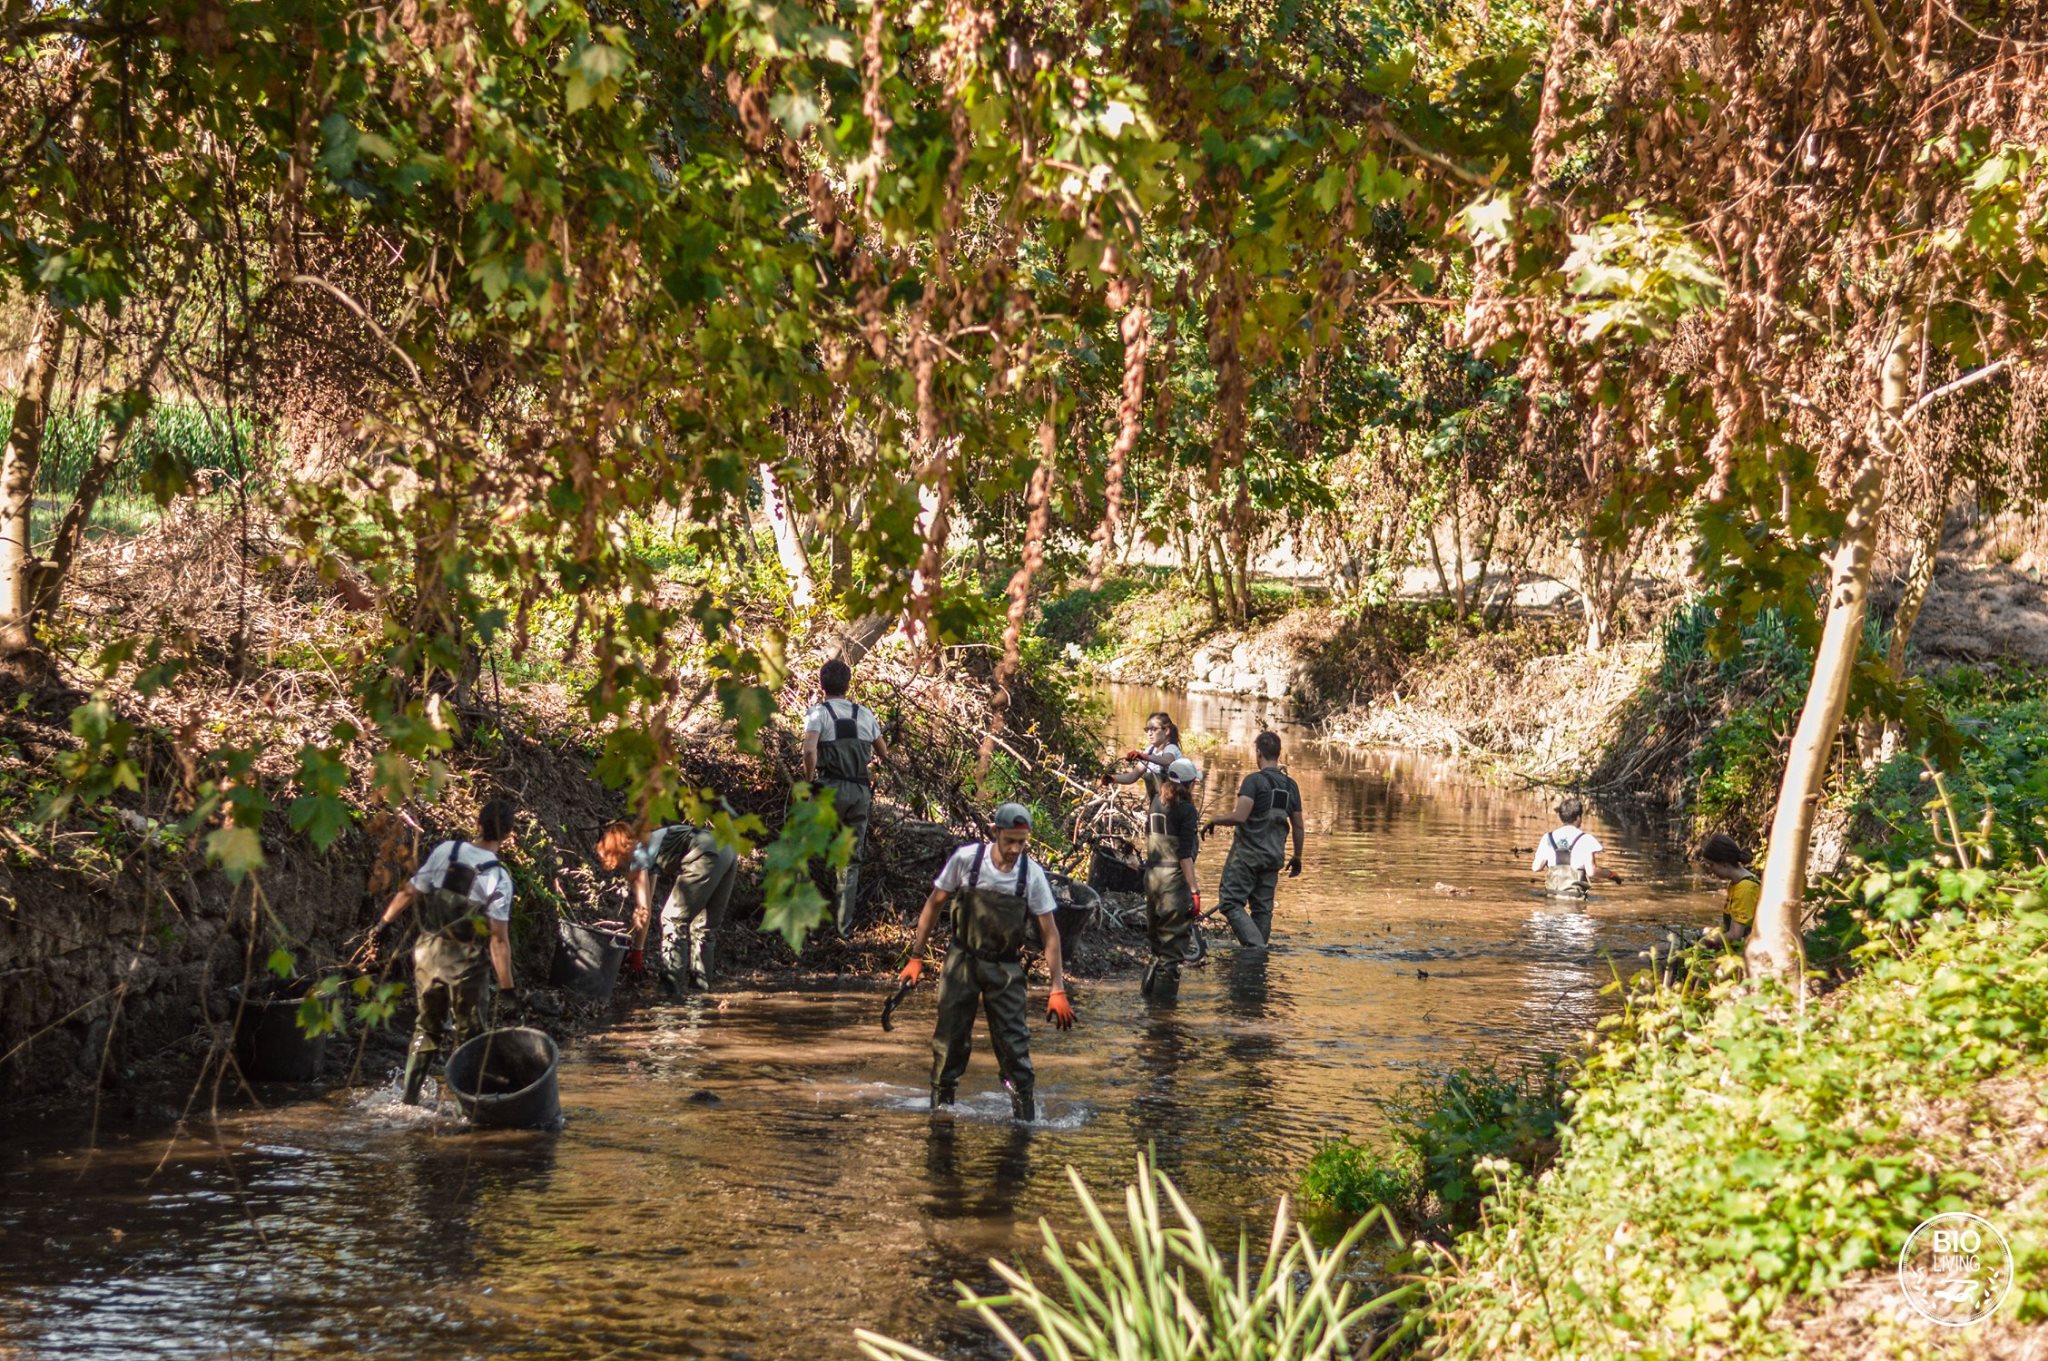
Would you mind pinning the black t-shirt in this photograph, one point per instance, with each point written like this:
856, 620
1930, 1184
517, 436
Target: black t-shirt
1259, 787
1184, 825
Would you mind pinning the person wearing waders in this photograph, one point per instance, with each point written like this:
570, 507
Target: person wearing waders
1173, 899
1567, 857
1268, 810
995, 891
841, 738
464, 902
699, 874
1162, 737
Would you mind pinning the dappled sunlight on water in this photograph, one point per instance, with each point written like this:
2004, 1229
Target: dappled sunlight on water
757, 1174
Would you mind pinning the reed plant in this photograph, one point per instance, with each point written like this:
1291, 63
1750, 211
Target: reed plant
175, 446
1160, 1290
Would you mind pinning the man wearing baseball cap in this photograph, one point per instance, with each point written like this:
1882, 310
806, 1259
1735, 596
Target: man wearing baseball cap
996, 892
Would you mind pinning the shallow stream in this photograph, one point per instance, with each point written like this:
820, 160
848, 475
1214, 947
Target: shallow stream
753, 1175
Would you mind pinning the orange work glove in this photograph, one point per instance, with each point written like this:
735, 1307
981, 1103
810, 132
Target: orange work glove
1059, 1010
912, 972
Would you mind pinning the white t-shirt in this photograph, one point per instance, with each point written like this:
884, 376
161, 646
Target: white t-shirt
953, 878
822, 719
492, 890
1582, 850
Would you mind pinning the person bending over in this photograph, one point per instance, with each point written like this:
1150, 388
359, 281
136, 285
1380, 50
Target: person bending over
699, 873
1725, 859
464, 901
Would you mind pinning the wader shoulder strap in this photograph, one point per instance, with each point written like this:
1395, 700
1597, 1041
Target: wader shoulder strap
1023, 870
845, 729
1564, 852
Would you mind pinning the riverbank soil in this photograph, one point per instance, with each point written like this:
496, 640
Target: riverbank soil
121, 935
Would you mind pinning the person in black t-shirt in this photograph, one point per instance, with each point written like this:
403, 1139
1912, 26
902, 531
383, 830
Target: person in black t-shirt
1173, 898
1268, 810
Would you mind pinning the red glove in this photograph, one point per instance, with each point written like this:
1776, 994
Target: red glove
912, 973
1134, 756
1059, 1010
1196, 894
636, 963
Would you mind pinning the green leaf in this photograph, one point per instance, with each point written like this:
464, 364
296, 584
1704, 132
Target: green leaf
238, 850
1488, 219
281, 963
321, 817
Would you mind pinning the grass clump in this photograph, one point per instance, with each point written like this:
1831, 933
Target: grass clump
1350, 1180
1158, 1289
1441, 1134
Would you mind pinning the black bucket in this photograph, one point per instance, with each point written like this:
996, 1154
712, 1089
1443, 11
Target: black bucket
1107, 873
1074, 915
269, 1046
587, 960
506, 1078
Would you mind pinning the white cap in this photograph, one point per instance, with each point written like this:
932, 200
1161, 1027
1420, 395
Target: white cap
1183, 771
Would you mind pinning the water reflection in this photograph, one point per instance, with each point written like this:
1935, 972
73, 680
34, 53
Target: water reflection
759, 1179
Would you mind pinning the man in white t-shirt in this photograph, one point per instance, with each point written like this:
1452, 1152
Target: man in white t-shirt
1568, 855
464, 908
996, 891
841, 740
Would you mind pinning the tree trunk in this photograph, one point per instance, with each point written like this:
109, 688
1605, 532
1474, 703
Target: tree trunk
18, 470
1199, 549
1436, 557
1458, 564
789, 543
50, 574
1775, 946
1596, 593
1919, 580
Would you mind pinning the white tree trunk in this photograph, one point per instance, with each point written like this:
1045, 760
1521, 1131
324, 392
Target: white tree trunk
789, 543
1775, 946
18, 478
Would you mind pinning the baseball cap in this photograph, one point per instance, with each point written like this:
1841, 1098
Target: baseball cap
1011, 815
1183, 771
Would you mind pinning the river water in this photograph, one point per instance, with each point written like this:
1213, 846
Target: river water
753, 1175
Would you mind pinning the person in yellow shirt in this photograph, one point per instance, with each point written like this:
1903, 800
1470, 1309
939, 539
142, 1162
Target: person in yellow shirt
1728, 862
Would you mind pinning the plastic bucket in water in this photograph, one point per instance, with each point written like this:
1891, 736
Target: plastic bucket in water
506, 1078
587, 960
269, 1046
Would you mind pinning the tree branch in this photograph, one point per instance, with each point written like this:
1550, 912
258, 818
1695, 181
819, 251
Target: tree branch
1970, 379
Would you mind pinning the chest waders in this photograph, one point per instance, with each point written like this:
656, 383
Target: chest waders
1562, 881
843, 768
694, 910
450, 962
1169, 909
1251, 873
983, 966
